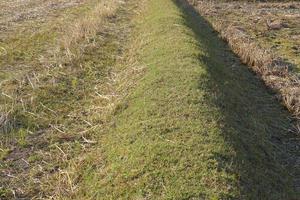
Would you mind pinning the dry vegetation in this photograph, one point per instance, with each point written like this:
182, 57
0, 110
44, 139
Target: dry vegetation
59, 87
16, 12
266, 36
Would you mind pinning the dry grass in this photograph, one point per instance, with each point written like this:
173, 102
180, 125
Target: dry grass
71, 45
266, 63
15, 13
68, 182
108, 99
84, 29
52, 114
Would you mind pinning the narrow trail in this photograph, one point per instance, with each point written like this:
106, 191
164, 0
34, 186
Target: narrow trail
199, 125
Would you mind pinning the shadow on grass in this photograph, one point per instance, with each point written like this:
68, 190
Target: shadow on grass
252, 122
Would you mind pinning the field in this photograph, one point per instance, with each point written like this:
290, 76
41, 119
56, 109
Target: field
151, 99
266, 37
274, 26
15, 13
55, 75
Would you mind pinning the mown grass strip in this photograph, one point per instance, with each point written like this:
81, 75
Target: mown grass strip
198, 125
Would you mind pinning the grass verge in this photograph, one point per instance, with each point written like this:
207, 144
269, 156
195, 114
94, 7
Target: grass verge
198, 125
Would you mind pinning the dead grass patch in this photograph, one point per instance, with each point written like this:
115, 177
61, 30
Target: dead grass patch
51, 116
268, 65
85, 28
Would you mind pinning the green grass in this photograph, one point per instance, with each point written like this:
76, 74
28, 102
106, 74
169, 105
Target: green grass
3, 153
199, 125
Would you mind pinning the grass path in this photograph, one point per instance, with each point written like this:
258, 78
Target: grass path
198, 125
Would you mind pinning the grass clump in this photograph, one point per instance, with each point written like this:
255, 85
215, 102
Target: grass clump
3, 153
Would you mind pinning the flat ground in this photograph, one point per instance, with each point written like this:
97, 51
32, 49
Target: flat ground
28, 29
54, 73
156, 106
273, 25
14, 12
